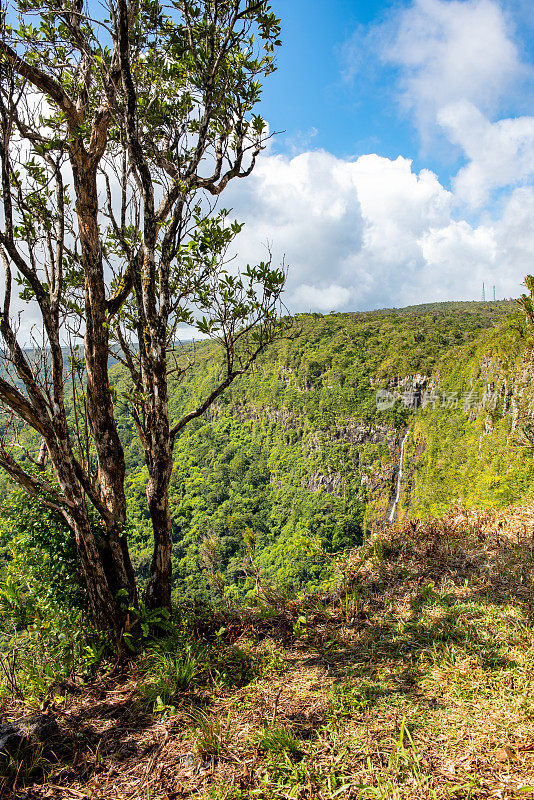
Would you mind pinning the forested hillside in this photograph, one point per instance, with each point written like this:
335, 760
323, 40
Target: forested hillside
473, 453
301, 456
296, 460
287, 486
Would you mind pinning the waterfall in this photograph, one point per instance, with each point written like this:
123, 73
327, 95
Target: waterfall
399, 481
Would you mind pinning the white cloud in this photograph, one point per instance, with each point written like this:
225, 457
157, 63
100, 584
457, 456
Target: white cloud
307, 208
450, 50
371, 232
392, 194
459, 258
459, 68
514, 234
500, 154
321, 298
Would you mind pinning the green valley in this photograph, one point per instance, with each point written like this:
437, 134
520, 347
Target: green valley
295, 461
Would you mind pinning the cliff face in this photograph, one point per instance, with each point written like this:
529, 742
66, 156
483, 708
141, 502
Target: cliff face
369, 451
478, 451
304, 452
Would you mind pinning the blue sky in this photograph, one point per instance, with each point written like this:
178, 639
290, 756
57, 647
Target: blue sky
312, 93
313, 100
405, 173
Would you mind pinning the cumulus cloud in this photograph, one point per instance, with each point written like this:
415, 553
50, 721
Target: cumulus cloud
514, 234
324, 297
372, 232
447, 50
500, 154
458, 67
307, 208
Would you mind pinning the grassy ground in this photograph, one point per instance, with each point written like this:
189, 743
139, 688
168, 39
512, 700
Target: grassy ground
417, 681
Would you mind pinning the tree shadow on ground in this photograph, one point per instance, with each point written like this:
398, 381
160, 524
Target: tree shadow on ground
423, 600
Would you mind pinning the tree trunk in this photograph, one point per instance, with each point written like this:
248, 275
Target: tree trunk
106, 612
159, 460
103, 577
109, 451
158, 593
117, 564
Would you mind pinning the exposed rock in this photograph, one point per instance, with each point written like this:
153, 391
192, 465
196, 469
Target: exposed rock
27, 730
327, 481
360, 433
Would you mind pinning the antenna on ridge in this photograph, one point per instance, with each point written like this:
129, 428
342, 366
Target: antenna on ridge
493, 292
483, 293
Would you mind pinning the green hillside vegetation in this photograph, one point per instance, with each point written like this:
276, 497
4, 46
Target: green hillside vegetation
315, 651
295, 461
478, 457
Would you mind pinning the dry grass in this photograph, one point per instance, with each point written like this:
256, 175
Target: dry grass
416, 681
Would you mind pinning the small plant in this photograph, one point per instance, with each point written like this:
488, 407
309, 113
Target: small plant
278, 739
144, 622
234, 666
56, 646
405, 760
350, 605
212, 736
378, 551
300, 627
348, 699
168, 670
270, 660
163, 710
443, 654
19, 766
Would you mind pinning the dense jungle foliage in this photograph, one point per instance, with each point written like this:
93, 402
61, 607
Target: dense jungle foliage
296, 460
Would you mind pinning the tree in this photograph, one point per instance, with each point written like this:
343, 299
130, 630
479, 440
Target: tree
120, 127
526, 301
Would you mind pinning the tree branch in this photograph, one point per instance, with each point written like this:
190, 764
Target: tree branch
41, 80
